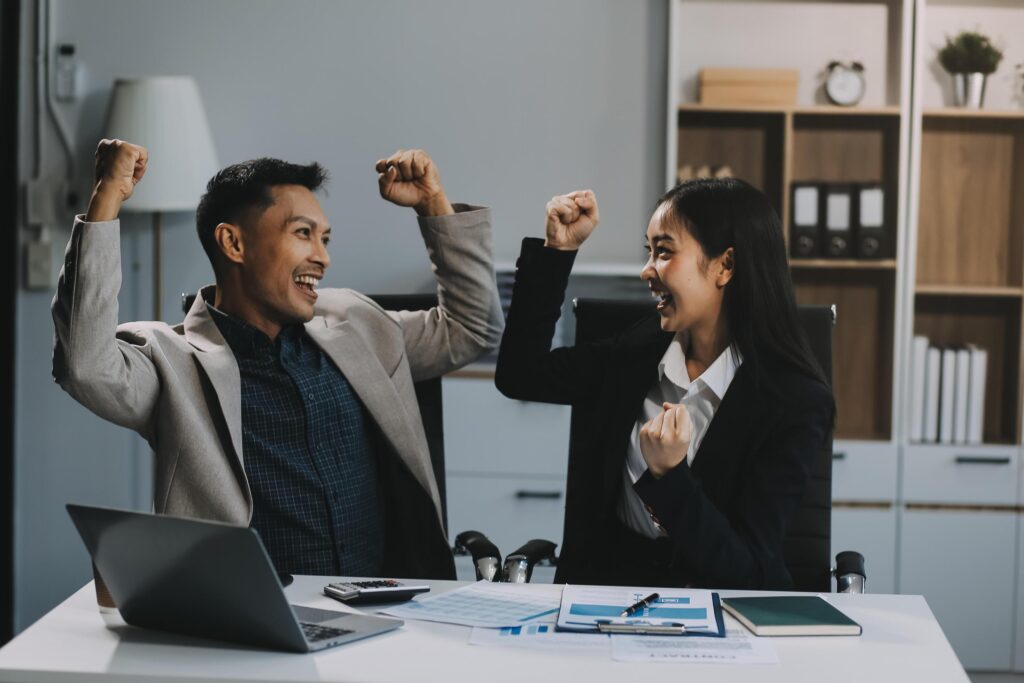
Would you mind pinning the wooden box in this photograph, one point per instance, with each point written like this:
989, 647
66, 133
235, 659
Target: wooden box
748, 86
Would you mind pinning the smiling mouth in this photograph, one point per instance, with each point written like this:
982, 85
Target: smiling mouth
307, 284
664, 299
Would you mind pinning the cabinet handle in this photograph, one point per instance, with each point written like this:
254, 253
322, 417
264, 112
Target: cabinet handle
982, 460
839, 455
544, 495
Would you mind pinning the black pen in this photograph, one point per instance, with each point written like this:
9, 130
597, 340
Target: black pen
633, 609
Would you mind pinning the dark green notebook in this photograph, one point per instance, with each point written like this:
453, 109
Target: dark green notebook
791, 615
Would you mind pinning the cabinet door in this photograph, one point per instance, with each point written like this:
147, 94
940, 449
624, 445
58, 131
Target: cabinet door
1018, 655
872, 533
964, 564
486, 433
509, 510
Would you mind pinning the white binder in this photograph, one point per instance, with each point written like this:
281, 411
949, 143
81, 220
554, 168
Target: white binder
918, 385
960, 395
932, 385
948, 395
976, 394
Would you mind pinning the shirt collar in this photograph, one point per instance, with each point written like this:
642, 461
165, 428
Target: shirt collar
717, 377
246, 340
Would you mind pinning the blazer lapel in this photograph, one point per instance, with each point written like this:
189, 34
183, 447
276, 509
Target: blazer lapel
637, 372
723, 443
375, 389
220, 366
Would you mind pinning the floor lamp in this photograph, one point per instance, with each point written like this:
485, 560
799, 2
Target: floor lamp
165, 115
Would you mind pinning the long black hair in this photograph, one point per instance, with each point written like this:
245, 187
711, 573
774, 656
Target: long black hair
760, 306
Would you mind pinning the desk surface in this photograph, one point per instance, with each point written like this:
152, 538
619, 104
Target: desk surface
901, 641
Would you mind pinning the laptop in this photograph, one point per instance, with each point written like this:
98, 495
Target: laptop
207, 579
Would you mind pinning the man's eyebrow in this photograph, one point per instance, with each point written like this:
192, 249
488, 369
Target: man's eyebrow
305, 219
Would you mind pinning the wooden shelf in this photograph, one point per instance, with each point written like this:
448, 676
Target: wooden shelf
843, 264
959, 113
812, 110
969, 291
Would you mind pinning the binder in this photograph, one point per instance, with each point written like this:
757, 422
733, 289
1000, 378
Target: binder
932, 386
946, 401
805, 225
976, 394
873, 236
960, 389
918, 387
675, 611
838, 233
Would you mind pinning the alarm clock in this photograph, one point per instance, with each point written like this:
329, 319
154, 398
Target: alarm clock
844, 83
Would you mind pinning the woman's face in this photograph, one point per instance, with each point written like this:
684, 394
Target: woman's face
688, 287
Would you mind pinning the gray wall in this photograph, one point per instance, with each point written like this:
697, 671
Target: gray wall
516, 101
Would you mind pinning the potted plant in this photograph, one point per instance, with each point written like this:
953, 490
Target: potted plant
970, 57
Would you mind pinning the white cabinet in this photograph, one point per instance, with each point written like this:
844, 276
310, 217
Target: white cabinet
964, 564
505, 464
958, 546
864, 489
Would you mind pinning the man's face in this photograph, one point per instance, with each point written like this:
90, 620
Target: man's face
285, 256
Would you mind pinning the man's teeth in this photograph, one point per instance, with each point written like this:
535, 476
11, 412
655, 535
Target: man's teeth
307, 280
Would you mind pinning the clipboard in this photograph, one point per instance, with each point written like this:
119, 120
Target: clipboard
678, 612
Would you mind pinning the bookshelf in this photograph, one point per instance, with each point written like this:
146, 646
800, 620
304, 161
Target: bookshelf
774, 146
923, 514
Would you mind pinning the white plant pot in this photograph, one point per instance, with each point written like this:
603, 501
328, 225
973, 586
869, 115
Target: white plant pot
969, 90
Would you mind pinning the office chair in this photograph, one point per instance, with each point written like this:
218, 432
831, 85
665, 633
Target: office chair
807, 544
428, 392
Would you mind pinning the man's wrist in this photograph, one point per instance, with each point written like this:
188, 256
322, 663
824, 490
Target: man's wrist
104, 205
438, 205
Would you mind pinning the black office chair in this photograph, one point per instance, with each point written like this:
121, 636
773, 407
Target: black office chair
428, 392
807, 545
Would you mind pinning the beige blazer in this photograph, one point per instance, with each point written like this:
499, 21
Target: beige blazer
178, 386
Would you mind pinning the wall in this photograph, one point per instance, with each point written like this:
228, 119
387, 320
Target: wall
516, 101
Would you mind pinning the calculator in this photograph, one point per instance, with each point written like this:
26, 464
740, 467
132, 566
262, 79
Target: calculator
384, 590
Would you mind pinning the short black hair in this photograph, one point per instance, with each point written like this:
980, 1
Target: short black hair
238, 189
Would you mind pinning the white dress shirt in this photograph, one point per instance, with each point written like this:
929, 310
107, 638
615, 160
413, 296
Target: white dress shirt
701, 397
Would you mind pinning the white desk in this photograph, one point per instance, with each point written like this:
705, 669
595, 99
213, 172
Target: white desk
901, 641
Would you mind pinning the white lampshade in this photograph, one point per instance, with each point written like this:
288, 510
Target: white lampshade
165, 115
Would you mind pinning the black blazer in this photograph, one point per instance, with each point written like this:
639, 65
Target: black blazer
726, 517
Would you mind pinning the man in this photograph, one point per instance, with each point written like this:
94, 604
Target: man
275, 404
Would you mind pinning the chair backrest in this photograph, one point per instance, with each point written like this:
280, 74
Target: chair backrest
428, 392
807, 546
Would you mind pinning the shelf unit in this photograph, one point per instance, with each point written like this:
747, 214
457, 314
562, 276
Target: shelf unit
928, 515
774, 146
964, 273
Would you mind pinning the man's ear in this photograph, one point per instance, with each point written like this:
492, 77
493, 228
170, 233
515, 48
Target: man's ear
228, 237
726, 269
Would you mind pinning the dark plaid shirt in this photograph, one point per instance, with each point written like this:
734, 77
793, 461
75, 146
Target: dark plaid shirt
310, 466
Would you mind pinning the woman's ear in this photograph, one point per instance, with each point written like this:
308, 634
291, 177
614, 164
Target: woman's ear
726, 268
229, 240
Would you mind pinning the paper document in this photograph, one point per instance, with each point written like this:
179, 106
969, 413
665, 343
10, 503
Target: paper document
585, 608
738, 647
483, 603
539, 636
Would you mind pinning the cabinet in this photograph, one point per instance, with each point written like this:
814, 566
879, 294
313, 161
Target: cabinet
931, 519
965, 279
505, 464
773, 147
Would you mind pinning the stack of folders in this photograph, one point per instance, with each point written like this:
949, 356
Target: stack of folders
947, 393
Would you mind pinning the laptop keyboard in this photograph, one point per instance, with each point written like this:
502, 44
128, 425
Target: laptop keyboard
315, 632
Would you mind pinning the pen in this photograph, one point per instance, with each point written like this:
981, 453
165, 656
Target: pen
633, 609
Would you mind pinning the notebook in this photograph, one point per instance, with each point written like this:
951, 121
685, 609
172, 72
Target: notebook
791, 615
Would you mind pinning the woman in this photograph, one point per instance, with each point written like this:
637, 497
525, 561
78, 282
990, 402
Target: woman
704, 420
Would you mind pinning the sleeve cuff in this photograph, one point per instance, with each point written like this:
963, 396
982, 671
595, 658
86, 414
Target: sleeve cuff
465, 216
666, 498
